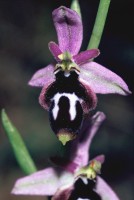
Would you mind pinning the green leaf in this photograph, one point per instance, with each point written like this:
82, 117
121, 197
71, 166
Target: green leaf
21, 153
75, 6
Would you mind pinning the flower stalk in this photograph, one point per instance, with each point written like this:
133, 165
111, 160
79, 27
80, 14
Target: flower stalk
99, 24
75, 6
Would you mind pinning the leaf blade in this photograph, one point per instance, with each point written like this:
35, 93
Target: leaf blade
20, 150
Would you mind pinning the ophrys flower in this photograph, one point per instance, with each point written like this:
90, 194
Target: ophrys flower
70, 85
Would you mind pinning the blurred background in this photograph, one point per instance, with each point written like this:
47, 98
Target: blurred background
26, 27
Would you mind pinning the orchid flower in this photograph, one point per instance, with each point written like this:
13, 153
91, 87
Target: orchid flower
70, 85
62, 181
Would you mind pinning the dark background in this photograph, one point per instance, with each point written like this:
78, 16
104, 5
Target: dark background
26, 27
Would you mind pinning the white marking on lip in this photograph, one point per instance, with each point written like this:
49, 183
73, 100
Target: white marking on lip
55, 110
72, 110
72, 101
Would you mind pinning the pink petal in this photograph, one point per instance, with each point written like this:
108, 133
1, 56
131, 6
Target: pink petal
85, 56
88, 131
104, 190
45, 182
43, 77
69, 29
102, 80
54, 48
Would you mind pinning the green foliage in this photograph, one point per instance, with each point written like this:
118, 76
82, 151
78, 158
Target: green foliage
21, 153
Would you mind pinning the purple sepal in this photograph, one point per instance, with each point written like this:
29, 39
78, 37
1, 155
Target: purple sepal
45, 182
69, 29
102, 80
54, 48
43, 77
85, 56
82, 144
104, 190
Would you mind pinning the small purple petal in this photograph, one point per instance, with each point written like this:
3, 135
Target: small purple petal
100, 158
69, 29
89, 130
43, 77
45, 182
104, 190
102, 80
85, 56
55, 50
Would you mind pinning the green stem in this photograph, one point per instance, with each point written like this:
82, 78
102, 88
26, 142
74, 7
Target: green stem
75, 6
99, 24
